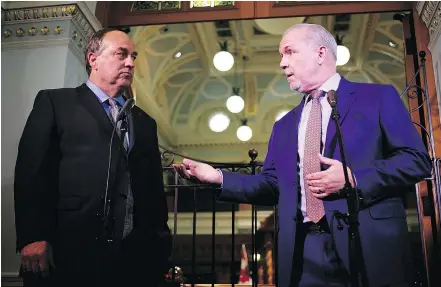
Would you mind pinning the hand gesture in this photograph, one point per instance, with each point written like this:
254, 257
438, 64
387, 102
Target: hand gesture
193, 170
329, 181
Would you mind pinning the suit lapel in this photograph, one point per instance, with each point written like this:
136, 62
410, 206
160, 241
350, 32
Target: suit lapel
346, 96
131, 122
292, 142
90, 102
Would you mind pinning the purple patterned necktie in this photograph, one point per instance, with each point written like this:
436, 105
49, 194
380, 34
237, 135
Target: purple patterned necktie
311, 163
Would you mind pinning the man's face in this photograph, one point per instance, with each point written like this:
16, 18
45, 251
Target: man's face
115, 62
299, 60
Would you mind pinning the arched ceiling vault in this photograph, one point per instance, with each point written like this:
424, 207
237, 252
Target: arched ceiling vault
181, 93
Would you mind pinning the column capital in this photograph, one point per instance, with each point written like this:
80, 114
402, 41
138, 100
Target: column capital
430, 13
32, 26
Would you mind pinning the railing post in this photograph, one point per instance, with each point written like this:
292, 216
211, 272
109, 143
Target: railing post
253, 155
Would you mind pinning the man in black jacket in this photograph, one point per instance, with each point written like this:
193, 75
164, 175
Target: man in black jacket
90, 206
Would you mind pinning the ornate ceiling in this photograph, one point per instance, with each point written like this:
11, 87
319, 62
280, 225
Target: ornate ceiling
182, 93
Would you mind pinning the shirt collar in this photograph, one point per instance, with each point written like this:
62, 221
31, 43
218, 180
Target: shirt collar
101, 95
330, 84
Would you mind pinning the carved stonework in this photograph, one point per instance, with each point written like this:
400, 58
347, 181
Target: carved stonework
31, 27
430, 13
39, 16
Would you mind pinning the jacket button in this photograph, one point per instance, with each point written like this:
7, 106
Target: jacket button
98, 214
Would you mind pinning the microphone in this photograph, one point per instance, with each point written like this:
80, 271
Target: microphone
125, 109
356, 260
332, 98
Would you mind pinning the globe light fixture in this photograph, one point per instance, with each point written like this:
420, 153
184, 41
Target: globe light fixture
223, 60
235, 103
244, 132
218, 122
343, 54
281, 114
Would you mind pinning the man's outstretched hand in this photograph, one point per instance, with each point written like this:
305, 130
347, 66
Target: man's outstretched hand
198, 171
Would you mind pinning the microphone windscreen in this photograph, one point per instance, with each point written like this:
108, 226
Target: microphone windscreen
332, 98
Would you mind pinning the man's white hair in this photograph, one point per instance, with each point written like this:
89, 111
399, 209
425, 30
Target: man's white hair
317, 35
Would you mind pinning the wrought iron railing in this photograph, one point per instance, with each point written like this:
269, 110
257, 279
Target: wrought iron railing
173, 188
418, 89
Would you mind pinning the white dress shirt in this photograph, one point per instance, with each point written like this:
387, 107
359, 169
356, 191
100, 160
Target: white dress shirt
331, 84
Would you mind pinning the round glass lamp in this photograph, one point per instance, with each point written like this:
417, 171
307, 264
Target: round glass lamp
343, 55
218, 122
235, 104
244, 132
223, 61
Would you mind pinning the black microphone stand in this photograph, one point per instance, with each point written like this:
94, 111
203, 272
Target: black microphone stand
356, 261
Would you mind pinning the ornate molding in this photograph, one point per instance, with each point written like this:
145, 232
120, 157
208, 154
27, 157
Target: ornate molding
48, 21
430, 13
41, 26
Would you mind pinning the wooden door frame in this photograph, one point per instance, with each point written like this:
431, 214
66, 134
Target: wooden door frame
117, 14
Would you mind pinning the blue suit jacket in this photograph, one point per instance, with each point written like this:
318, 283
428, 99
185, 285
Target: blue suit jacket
387, 155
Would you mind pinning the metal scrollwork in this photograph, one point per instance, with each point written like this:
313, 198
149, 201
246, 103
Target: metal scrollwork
167, 157
419, 90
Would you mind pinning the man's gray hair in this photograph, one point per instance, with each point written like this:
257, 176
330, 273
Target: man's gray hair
317, 35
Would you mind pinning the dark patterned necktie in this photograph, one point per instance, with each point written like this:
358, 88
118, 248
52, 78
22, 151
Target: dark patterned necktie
128, 219
311, 162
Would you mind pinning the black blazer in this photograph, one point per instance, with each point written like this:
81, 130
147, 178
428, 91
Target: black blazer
60, 178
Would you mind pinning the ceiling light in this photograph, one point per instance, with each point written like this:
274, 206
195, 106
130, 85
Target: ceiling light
223, 60
235, 104
281, 114
218, 122
392, 44
177, 55
244, 132
343, 55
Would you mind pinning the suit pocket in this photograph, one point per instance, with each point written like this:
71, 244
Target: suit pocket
389, 208
73, 202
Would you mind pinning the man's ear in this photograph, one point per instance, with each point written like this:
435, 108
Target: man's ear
322, 54
91, 58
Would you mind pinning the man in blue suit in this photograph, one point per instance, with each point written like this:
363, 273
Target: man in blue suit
303, 171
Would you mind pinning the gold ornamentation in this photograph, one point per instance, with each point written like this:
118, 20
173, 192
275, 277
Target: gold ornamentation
7, 33
32, 31
20, 32
45, 30
431, 15
58, 30
45, 15
212, 3
27, 14
61, 12
155, 5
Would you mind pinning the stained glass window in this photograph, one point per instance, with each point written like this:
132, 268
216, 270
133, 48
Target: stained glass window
155, 5
210, 3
